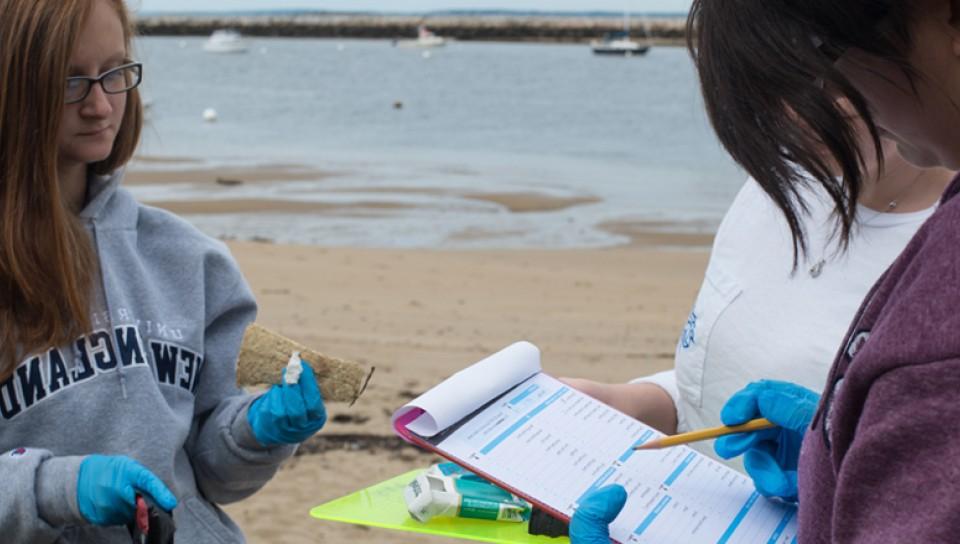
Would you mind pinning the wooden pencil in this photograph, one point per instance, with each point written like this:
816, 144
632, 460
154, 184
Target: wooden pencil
706, 434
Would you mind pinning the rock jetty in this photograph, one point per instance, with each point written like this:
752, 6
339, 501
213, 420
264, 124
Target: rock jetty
661, 31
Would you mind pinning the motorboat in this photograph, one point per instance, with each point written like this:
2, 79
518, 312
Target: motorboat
225, 41
620, 43
425, 38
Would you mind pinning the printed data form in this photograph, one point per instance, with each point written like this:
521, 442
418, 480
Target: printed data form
559, 444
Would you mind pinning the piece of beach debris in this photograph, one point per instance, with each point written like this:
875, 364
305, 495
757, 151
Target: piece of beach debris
344, 419
264, 354
229, 182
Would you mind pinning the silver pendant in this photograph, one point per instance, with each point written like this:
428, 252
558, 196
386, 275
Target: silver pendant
817, 269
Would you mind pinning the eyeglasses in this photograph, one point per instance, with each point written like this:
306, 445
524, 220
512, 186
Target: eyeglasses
116, 81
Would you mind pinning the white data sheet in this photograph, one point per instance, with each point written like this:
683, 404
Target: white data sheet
554, 445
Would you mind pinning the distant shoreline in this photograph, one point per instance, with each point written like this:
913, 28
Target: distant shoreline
512, 28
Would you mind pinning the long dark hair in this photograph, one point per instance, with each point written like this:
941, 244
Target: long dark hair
764, 65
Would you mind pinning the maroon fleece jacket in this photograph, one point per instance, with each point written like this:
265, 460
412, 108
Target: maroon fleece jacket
881, 460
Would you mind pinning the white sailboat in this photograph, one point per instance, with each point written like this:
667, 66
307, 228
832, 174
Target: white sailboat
620, 43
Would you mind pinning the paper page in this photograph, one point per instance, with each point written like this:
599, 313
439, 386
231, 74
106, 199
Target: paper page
467, 390
557, 444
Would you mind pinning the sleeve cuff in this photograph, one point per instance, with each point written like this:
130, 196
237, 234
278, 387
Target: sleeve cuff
243, 436
242, 432
57, 491
666, 380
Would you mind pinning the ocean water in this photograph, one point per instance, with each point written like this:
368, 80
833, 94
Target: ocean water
548, 119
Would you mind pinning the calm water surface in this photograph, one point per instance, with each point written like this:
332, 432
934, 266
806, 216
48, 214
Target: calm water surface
480, 117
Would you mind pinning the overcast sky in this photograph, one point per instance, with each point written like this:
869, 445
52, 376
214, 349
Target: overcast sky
640, 6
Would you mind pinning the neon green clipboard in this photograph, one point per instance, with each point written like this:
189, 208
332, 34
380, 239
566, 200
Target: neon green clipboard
382, 505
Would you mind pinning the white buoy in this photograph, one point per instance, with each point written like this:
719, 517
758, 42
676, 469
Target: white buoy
427, 54
210, 115
182, 44
341, 47
263, 50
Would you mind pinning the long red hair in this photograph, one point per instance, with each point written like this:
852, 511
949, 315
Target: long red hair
47, 262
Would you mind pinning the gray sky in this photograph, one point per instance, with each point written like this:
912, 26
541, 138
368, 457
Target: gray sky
640, 6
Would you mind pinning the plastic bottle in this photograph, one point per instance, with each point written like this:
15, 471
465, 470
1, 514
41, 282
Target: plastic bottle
448, 490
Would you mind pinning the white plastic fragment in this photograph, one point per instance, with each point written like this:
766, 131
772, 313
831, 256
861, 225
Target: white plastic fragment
294, 368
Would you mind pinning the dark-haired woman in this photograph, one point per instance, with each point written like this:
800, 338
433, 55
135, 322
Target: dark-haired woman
878, 461
793, 316
120, 324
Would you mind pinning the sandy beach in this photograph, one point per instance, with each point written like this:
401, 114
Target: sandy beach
419, 316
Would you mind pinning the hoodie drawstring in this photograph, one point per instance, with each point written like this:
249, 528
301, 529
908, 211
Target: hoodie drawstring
100, 190
106, 303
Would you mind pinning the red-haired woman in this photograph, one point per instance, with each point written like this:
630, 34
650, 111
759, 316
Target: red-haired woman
119, 324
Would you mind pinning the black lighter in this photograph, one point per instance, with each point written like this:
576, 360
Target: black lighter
151, 525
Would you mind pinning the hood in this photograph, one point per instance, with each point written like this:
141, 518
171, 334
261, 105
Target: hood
107, 206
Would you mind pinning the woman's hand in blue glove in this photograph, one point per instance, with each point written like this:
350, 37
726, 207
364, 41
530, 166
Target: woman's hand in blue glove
288, 413
591, 522
107, 488
770, 456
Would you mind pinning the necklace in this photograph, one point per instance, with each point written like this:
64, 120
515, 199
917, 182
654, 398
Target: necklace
820, 263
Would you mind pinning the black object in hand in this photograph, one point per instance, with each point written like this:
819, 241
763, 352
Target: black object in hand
151, 525
542, 523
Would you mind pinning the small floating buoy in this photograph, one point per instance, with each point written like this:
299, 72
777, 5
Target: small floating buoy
263, 50
210, 115
398, 105
427, 54
341, 47
182, 44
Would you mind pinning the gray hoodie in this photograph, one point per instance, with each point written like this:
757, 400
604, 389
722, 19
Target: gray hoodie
155, 380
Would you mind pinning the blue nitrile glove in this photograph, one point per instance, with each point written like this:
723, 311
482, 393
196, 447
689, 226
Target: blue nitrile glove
771, 455
288, 414
591, 522
107, 488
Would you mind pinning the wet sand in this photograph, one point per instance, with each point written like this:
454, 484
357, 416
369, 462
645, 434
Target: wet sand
164, 171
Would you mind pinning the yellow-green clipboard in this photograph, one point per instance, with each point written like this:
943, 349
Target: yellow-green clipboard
382, 505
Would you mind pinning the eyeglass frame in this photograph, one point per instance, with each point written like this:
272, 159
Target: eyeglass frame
91, 81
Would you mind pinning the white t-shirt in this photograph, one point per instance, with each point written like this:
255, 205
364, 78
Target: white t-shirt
755, 319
